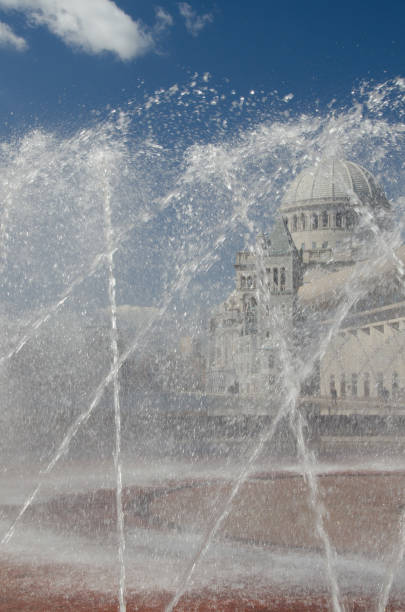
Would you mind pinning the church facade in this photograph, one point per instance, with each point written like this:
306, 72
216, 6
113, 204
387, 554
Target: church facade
298, 276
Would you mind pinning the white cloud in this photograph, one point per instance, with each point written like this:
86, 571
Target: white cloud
95, 26
194, 23
163, 19
9, 39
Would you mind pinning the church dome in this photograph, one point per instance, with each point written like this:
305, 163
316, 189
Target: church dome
333, 180
321, 209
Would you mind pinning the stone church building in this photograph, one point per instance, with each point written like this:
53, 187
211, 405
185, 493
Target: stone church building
299, 275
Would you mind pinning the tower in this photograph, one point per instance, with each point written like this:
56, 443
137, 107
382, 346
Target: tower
241, 356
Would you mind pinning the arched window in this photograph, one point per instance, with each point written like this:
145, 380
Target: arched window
286, 221
314, 221
303, 222
250, 307
295, 223
275, 276
338, 219
354, 385
282, 279
380, 384
325, 219
343, 386
395, 385
242, 282
366, 384
250, 282
349, 219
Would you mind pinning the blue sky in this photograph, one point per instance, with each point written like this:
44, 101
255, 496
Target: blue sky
61, 59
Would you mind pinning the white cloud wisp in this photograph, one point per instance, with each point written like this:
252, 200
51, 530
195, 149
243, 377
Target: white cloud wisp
194, 23
163, 19
9, 39
94, 26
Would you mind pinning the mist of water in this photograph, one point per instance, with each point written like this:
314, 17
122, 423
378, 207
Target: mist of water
124, 213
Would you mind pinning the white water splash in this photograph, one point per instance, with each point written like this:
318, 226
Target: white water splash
116, 387
227, 187
354, 289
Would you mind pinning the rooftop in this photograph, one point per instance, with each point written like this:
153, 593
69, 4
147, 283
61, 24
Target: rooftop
333, 180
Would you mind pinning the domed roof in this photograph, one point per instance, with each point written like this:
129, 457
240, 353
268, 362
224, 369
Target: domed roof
333, 180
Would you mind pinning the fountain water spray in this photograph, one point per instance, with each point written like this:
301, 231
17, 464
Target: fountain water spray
393, 566
116, 385
353, 292
185, 275
235, 175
